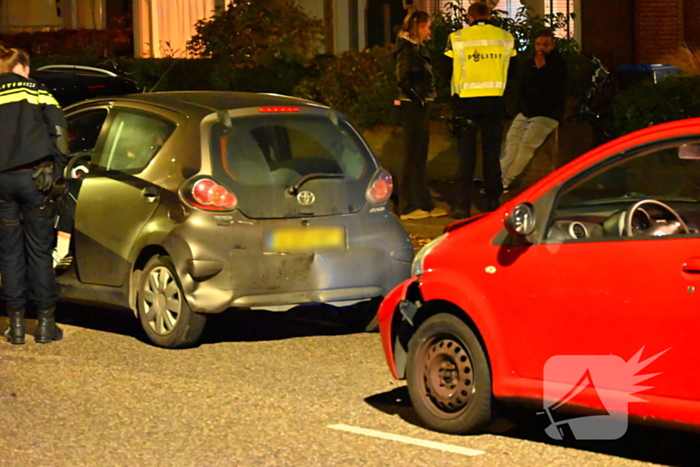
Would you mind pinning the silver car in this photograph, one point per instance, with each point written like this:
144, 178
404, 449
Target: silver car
197, 202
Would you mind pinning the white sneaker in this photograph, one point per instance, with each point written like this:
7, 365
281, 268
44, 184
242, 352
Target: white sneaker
415, 215
438, 212
505, 186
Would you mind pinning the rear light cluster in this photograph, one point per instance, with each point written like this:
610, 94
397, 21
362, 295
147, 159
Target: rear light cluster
207, 192
380, 189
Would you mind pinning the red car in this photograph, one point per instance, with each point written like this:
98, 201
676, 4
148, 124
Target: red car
584, 288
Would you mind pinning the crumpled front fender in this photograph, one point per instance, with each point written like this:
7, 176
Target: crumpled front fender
387, 309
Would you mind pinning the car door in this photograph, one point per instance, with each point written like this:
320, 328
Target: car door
607, 293
121, 192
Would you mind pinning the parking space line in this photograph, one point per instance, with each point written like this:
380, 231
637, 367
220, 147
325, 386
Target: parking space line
408, 440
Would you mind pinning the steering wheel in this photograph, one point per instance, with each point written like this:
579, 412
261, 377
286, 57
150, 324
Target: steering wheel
674, 223
77, 166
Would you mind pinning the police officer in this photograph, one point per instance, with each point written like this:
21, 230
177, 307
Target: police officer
32, 129
480, 57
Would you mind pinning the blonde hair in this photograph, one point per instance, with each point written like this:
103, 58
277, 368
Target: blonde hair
9, 58
411, 22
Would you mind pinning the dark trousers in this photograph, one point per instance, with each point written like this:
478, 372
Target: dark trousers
413, 185
485, 114
27, 239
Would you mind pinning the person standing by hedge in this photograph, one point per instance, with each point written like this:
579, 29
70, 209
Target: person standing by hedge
542, 103
480, 57
32, 131
416, 85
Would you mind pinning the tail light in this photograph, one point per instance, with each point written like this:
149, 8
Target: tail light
380, 189
205, 193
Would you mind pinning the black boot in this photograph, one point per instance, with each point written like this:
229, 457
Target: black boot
46, 329
15, 333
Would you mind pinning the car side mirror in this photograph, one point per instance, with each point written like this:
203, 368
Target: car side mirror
521, 220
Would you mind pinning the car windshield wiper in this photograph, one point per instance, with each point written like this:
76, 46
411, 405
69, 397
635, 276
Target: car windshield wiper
294, 189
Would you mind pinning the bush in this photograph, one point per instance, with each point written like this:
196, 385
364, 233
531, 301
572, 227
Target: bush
170, 74
361, 85
685, 57
644, 105
258, 33
73, 43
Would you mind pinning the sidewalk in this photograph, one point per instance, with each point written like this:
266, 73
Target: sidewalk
424, 230
568, 142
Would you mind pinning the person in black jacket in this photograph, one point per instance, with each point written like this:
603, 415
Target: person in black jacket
542, 103
32, 143
416, 85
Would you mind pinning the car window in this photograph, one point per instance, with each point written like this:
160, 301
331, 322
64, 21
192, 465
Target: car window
661, 173
606, 202
84, 129
133, 140
277, 150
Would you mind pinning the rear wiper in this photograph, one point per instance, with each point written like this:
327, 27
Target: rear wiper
294, 189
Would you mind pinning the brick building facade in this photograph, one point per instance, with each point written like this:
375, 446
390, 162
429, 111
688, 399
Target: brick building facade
638, 31
692, 22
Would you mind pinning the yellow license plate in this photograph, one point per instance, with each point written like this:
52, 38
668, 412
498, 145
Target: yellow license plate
305, 239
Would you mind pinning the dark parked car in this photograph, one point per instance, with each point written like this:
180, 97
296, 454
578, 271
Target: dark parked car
73, 83
197, 202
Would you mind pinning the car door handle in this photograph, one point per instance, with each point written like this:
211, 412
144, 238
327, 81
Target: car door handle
691, 266
151, 193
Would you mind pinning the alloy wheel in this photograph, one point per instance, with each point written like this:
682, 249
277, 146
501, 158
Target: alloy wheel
162, 301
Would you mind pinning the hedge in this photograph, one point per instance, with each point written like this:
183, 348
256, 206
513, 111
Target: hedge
644, 105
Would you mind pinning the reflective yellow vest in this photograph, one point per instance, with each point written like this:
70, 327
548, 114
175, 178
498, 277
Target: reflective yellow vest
481, 55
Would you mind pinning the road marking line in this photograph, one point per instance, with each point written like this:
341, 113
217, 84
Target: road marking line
408, 440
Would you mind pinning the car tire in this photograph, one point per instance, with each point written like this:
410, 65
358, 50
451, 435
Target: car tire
448, 376
165, 315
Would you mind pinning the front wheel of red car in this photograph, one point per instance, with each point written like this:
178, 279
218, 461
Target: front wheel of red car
165, 315
448, 376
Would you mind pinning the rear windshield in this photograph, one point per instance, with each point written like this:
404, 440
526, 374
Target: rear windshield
277, 150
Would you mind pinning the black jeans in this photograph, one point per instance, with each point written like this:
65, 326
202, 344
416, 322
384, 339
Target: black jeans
485, 114
26, 242
413, 185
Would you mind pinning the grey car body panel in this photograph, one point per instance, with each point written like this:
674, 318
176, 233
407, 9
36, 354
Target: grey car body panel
250, 277
219, 256
120, 205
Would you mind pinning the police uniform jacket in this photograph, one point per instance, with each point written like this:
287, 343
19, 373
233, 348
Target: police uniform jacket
481, 56
29, 117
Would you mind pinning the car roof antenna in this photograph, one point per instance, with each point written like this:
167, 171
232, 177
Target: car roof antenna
163, 76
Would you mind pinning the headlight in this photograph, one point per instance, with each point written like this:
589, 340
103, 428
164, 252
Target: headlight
417, 266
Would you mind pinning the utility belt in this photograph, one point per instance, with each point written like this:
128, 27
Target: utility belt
45, 174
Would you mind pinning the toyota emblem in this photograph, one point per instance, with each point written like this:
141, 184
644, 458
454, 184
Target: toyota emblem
306, 198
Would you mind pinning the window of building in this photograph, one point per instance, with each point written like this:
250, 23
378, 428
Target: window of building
511, 6
566, 7
431, 6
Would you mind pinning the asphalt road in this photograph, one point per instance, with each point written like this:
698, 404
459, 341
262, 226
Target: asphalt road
261, 390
